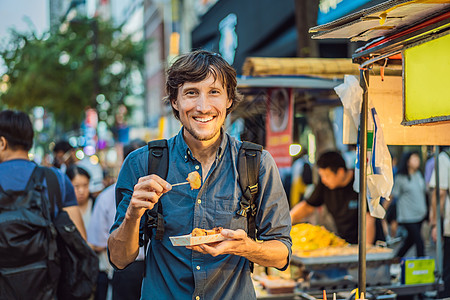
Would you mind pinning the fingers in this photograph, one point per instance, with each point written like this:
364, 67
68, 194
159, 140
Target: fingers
153, 183
238, 234
205, 249
146, 193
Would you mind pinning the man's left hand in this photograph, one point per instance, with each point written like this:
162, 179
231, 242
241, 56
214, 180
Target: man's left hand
236, 243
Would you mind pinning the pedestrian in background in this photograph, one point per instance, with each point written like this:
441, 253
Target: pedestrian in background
444, 184
126, 283
25, 213
80, 181
409, 190
65, 157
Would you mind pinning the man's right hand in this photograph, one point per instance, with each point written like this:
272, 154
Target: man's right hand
146, 194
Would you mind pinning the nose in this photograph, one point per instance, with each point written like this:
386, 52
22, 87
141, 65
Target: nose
203, 104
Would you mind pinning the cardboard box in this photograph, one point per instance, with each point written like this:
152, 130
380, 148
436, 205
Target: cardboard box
188, 240
417, 270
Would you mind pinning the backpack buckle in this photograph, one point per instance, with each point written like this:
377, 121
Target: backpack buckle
253, 188
243, 210
253, 209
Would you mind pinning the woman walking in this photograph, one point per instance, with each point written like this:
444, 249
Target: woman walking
409, 189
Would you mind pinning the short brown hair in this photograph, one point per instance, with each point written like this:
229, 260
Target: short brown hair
196, 66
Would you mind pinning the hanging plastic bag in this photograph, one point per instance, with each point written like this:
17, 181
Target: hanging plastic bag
379, 164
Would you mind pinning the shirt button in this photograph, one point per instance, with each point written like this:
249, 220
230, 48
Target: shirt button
197, 298
197, 167
185, 157
198, 267
199, 201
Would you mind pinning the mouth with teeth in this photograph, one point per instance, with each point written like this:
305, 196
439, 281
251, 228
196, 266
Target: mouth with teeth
204, 119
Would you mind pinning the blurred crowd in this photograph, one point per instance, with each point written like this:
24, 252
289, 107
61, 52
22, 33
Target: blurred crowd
95, 195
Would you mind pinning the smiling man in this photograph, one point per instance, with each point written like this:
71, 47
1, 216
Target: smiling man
201, 88
335, 191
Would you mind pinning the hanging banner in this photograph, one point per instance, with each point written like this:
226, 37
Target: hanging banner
279, 125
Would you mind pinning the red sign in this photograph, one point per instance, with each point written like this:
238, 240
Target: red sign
279, 125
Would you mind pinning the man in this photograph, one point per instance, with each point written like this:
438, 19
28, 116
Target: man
201, 88
335, 190
16, 139
26, 240
444, 183
65, 156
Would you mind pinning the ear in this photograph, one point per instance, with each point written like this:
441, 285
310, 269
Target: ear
3, 143
229, 103
174, 104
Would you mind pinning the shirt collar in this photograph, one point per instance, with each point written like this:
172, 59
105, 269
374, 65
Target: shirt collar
180, 144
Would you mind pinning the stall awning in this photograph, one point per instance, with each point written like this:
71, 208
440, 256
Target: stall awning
419, 30
317, 67
381, 20
287, 82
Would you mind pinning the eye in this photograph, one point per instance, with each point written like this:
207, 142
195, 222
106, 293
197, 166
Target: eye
215, 91
190, 93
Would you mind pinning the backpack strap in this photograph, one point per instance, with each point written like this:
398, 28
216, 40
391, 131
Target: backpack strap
54, 192
249, 159
158, 163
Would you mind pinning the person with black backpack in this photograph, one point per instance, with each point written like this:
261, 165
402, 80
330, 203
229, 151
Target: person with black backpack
201, 88
29, 257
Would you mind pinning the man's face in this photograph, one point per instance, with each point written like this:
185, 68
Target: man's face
330, 179
202, 107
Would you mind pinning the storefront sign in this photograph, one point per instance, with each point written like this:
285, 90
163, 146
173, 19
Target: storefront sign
228, 38
279, 126
330, 10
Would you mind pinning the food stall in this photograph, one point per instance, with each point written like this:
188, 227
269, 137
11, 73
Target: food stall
308, 271
414, 109
417, 32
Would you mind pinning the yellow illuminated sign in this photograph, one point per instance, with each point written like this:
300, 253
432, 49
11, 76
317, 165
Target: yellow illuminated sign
426, 82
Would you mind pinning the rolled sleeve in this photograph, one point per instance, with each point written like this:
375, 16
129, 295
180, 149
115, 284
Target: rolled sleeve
272, 219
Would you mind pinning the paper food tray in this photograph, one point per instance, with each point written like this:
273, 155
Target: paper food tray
188, 240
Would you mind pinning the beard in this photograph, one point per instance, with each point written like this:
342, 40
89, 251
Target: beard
202, 138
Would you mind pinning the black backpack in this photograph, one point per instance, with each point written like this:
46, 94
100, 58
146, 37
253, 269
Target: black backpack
79, 263
248, 168
29, 259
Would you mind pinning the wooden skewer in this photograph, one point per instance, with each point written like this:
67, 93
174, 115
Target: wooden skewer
181, 183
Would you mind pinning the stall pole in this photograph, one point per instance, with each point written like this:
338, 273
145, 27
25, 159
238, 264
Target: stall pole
438, 214
364, 83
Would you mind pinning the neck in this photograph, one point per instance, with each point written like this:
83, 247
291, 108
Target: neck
83, 207
17, 154
348, 177
205, 151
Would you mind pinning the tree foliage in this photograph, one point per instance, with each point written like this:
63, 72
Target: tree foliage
65, 71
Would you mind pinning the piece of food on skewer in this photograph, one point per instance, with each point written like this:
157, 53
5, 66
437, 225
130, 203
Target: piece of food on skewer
204, 232
193, 179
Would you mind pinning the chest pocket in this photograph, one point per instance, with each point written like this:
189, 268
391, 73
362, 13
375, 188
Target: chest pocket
225, 208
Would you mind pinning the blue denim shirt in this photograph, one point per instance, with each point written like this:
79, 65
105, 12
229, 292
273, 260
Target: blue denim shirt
180, 273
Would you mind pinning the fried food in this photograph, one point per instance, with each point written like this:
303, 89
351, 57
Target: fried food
194, 180
307, 238
204, 232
